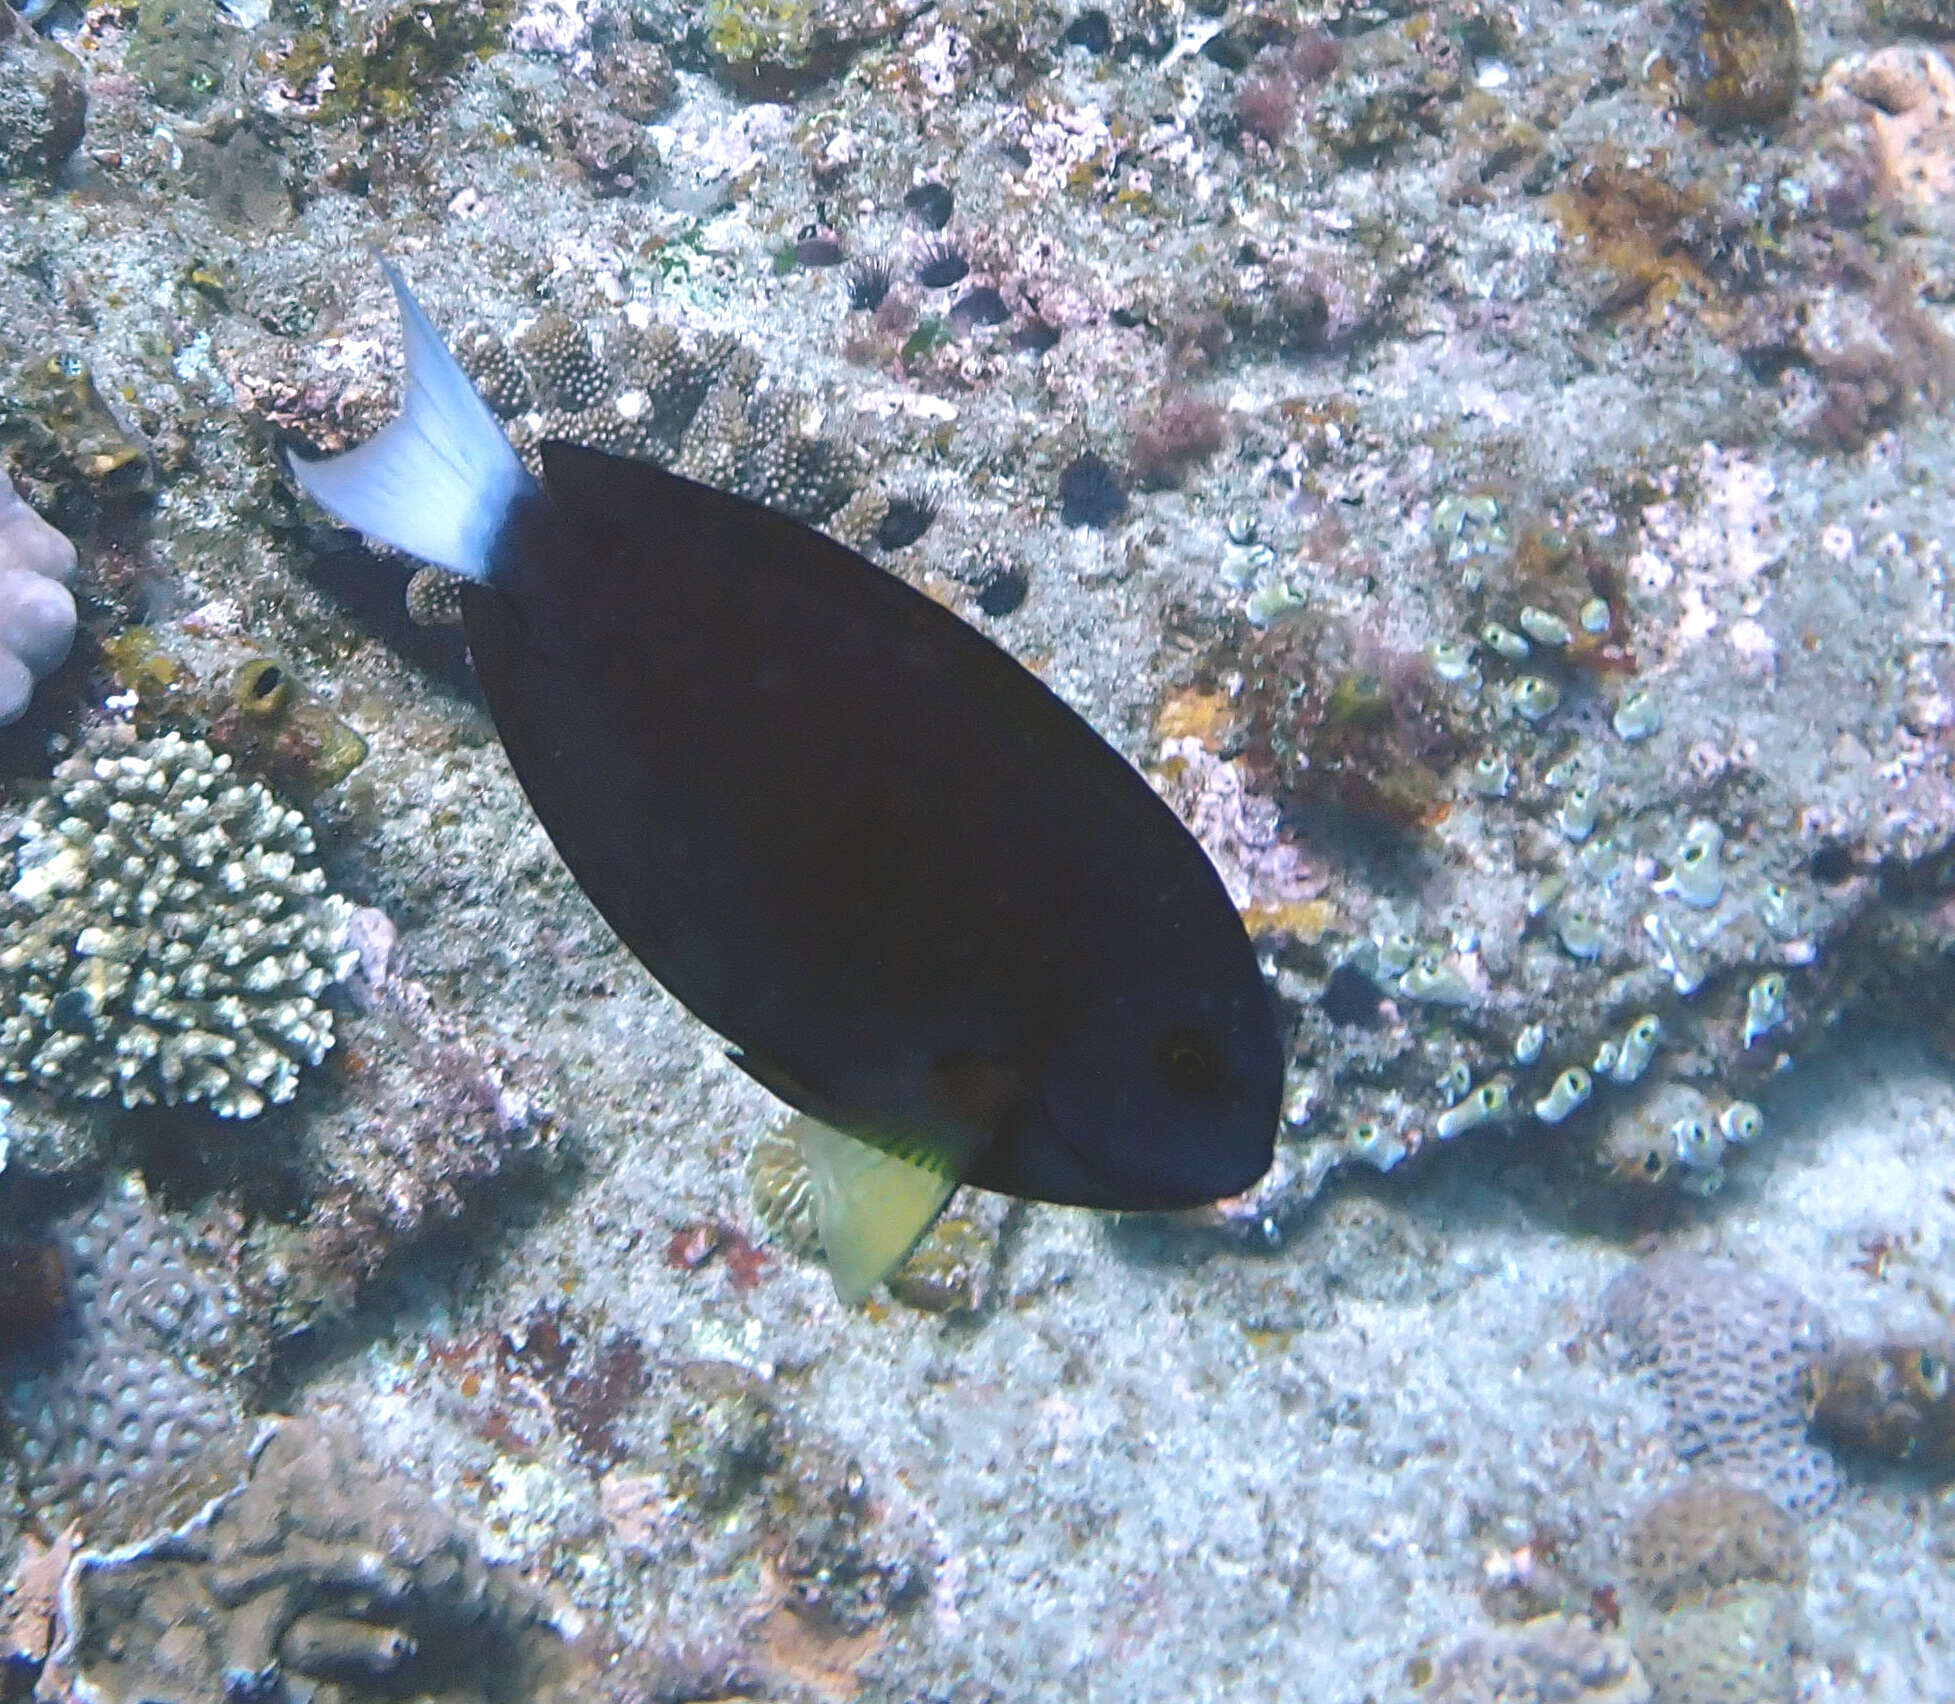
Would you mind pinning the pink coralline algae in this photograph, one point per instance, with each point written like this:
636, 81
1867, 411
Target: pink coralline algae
441, 1113
1240, 830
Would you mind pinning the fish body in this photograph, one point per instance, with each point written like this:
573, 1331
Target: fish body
926, 904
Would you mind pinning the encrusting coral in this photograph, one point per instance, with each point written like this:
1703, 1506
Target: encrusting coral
1730, 1348
37, 611
1717, 1576
1887, 1401
167, 934
316, 1578
109, 1409
1555, 1659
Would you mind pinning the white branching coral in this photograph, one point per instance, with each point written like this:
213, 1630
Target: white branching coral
166, 934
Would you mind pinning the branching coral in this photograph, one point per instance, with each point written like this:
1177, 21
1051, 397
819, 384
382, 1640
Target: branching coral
702, 407
168, 934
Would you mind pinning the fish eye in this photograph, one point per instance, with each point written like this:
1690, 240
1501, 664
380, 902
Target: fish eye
1189, 1062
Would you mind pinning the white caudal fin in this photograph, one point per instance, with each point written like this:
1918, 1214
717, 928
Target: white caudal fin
439, 481
870, 1207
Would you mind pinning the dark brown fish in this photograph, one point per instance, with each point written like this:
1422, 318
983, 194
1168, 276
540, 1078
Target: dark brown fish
927, 904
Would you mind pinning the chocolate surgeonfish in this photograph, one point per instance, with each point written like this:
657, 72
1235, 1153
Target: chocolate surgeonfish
925, 904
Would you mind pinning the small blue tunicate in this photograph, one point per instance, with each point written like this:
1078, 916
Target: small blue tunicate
1483, 1106
1672, 957
1491, 777
1454, 1084
1696, 1144
1764, 1006
1595, 616
1576, 817
1740, 1122
1395, 952
1467, 526
1297, 1104
1504, 641
1448, 518
1571, 1089
1581, 936
1778, 910
1246, 565
1637, 717
1544, 627
1637, 1048
1437, 981
1697, 872
1377, 1146
1453, 663
1533, 698
1529, 1043
1267, 603
1546, 894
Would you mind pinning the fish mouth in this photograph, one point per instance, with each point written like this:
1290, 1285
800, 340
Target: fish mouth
1134, 1189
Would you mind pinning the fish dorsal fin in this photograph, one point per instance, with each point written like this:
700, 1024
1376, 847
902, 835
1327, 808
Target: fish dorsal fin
870, 1206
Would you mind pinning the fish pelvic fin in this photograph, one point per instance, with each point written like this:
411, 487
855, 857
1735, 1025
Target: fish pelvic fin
871, 1206
440, 480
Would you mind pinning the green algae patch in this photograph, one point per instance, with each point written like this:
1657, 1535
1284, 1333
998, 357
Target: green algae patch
1745, 74
181, 51
378, 62
773, 49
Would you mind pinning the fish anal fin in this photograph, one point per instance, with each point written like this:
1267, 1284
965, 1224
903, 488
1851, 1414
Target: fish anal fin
871, 1207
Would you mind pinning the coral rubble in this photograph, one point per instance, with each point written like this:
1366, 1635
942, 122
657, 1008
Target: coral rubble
441, 1114
1491, 467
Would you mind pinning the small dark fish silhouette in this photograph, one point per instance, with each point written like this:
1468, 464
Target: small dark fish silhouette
931, 909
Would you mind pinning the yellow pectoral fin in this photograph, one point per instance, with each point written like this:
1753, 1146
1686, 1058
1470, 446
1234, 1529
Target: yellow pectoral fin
870, 1206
